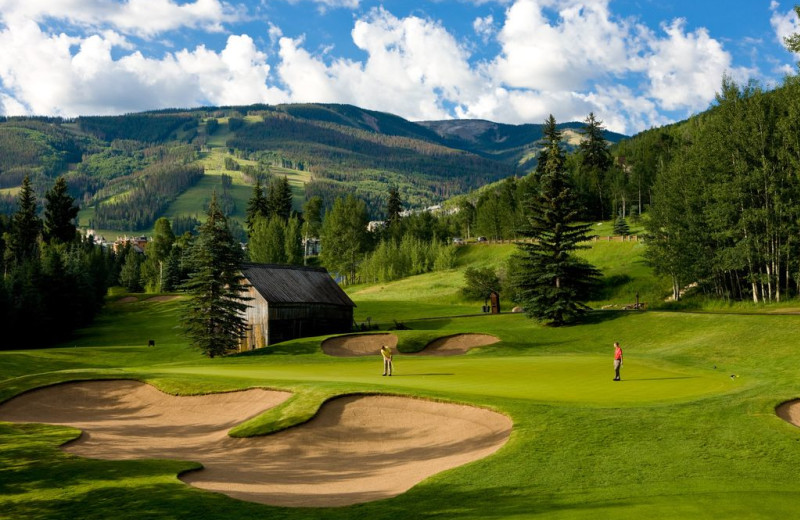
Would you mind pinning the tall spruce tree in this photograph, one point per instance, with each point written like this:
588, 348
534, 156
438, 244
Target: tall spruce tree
60, 212
25, 225
256, 207
394, 206
596, 159
213, 316
279, 198
550, 280
550, 134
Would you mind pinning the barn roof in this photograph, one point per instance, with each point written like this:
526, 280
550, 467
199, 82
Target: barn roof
293, 284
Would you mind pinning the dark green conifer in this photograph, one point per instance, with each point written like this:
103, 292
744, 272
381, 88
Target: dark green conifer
550, 280
213, 317
60, 212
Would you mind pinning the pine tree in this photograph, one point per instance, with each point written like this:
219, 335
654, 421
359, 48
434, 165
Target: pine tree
621, 227
550, 134
550, 280
256, 207
60, 213
596, 158
279, 198
213, 317
25, 225
394, 206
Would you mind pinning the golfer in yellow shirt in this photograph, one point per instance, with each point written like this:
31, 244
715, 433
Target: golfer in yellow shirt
386, 352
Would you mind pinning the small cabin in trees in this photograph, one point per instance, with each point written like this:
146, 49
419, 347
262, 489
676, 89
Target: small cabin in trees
292, 302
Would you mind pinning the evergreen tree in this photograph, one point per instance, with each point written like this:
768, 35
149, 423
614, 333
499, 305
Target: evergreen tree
213, 316
256, 207
596, 158
279, 198
550, 134
550, 280
621, 227
25, 225
60, 212
394, 206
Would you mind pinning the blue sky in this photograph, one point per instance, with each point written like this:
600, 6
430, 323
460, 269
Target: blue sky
635, 63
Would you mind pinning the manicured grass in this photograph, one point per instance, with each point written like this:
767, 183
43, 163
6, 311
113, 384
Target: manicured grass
677, 438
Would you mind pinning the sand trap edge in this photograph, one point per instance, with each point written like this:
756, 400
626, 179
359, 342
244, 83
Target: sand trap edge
789, 411
370, 344
483, 340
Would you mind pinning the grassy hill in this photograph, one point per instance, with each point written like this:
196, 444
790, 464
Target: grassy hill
677, 438
325, 149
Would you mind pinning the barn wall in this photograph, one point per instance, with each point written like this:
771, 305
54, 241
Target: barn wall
276, 322
257, 316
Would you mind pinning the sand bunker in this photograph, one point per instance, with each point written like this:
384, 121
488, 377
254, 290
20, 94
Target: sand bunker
127, 299
457, 344
370, 344
790, 412
357, 449
353, 345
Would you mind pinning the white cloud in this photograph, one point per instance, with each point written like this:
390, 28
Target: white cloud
685, 69
331, 4
413, 67
61, 75
784, 23
484, 27
565, 57
140, 17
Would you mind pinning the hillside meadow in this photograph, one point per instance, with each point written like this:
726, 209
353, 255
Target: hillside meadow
690, 432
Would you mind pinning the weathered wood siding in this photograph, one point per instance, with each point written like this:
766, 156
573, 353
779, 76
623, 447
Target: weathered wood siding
257, 316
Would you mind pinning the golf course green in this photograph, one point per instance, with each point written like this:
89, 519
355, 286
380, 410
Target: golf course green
690, 431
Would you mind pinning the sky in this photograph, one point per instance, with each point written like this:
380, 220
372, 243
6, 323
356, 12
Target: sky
634, 63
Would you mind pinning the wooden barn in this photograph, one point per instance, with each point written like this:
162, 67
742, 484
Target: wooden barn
293, 302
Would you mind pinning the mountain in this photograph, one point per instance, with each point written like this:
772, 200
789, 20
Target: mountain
512, 144
117, 165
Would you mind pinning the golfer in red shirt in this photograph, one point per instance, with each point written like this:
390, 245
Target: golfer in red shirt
617, 360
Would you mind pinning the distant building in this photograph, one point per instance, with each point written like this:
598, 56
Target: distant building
375, 225
293, 302
139, 244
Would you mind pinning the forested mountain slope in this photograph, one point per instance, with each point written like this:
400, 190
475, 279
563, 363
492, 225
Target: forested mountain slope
113, 162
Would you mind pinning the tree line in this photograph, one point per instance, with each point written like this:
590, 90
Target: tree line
53, 281
726, 198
